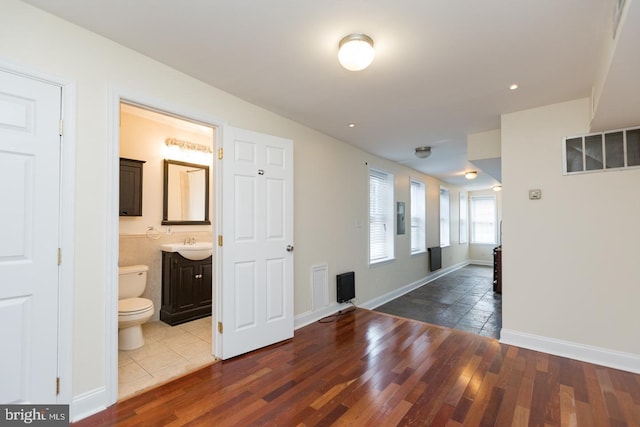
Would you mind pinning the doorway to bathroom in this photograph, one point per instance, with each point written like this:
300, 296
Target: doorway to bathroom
158, 209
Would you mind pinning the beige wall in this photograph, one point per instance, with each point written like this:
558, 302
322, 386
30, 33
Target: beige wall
570, 259
331, 184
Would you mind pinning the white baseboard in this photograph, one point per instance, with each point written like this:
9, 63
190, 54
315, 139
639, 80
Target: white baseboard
480, 262
596, 355
87, 404
309, 317
383, 299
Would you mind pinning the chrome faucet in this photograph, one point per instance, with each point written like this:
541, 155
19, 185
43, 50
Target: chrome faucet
190, 240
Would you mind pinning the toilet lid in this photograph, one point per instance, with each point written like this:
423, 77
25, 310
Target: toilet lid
134, 305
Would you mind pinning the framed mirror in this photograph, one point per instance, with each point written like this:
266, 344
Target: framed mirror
186, 194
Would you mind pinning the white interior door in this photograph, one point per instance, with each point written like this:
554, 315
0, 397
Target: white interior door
257, 253
29, 214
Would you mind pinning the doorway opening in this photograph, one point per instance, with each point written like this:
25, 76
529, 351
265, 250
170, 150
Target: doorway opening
160, 217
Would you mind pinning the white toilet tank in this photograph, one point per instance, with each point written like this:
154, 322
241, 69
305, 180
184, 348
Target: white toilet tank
132, 281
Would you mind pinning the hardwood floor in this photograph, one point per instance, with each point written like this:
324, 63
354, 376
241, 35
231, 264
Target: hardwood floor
373, 369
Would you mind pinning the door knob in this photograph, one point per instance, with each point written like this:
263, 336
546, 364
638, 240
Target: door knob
289, 248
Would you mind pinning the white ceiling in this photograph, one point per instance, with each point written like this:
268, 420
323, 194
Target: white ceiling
442, 68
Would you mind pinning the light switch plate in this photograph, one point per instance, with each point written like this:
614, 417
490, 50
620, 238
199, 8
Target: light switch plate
535, 194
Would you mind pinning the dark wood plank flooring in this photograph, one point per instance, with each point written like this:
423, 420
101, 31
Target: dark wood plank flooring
373, 369
463, 299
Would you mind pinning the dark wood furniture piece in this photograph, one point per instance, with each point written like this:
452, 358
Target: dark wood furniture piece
186, 288
497, 269
131, 187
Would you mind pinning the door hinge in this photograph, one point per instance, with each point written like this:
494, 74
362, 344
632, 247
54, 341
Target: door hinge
220, 153
220, 327
60, 127
59, 256
57, 386
220, 240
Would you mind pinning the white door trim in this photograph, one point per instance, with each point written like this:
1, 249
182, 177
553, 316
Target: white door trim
118, 95
67, 223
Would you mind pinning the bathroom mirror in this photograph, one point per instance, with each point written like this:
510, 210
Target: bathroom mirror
186, 194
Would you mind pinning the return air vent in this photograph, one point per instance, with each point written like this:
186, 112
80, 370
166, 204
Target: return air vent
599, 152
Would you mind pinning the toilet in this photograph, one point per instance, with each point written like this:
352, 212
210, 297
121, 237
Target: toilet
133, 311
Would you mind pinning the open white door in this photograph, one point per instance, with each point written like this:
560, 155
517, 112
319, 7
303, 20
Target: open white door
256, 305
29, 238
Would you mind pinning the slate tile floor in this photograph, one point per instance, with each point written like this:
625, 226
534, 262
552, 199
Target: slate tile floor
463, 300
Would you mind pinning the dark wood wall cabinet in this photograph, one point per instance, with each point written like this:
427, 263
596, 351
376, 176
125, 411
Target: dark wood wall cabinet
497, 270
186, 288
131, 187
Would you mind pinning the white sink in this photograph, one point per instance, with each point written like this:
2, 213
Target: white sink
193, 251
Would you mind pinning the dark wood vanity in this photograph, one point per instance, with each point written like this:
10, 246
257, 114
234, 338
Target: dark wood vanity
186, 288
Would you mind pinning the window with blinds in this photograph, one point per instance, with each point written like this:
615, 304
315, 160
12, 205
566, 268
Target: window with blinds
483, 219
418, 217
445, 218
381, 221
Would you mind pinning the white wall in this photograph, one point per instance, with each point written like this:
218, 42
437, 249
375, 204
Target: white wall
570, 260
331, 181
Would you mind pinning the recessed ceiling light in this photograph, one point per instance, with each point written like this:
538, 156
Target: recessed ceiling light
513, 86
351, 125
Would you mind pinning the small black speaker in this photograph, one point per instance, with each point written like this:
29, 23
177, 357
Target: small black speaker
346, 286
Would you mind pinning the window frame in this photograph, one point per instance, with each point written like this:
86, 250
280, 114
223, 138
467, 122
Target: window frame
447, 228
463, 236
473, 222
421, 232
386, 215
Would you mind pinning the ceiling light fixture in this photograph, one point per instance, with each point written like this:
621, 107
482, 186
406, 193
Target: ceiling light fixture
423, 152
497, 188
351, 125
355, 52
471, 175
513, 86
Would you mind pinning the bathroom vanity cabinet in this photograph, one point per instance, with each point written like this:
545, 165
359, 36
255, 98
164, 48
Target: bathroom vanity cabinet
186, 288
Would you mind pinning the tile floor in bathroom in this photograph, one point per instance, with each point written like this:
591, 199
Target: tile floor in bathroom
168, 352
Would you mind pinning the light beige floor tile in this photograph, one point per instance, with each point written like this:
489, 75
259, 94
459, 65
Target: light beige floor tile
203, 333
150, 348
195, 324
169, 352
123, 358
131, 372
130, 388
196, 351
156, 331
181, 340
157, 362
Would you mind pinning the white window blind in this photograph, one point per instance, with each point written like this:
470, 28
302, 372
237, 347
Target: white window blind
464, 215
381, 223
418, 217
444, 218
483, 219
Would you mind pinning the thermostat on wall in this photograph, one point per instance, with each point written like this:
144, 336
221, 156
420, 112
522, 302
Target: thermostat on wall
535, 194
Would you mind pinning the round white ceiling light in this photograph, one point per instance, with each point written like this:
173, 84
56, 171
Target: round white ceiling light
355, 52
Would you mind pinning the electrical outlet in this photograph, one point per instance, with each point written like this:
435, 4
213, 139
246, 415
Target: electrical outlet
535, 194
